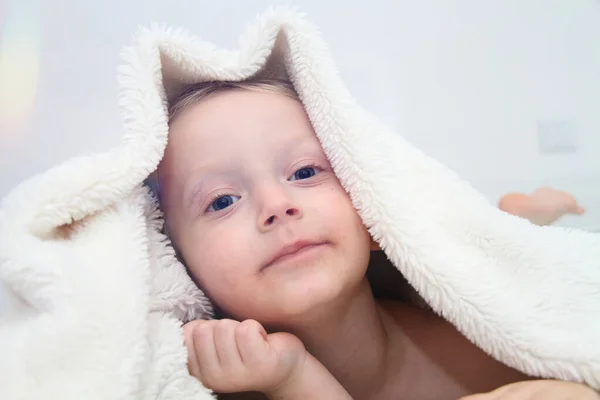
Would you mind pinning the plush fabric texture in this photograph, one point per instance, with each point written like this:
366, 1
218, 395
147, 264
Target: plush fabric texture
100, 296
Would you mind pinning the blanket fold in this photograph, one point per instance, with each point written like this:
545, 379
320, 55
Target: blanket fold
102, 296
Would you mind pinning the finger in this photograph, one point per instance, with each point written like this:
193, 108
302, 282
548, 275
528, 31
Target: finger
250, 337
204, 350
225, 344
188, 336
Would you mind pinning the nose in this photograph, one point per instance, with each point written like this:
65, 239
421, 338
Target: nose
277, 208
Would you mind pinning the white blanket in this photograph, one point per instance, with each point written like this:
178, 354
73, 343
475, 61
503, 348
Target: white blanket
101, 296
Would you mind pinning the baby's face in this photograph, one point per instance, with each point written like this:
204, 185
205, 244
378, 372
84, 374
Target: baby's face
244, 180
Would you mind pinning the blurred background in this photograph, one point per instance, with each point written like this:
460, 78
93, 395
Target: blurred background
505, 92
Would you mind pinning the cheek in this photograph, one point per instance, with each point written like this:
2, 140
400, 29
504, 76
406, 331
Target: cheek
219, 258
341, 216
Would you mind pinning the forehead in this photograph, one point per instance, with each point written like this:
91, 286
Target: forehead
239, 117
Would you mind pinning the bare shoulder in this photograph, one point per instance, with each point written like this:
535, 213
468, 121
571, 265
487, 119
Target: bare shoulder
437, 360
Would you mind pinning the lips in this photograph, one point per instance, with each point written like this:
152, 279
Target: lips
291, 251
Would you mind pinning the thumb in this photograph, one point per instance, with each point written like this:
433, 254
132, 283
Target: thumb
285, 344
288, 350
281, 340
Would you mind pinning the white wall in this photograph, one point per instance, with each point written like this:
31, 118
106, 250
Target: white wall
467, 81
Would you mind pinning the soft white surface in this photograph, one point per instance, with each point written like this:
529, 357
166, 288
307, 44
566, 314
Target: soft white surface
79, 245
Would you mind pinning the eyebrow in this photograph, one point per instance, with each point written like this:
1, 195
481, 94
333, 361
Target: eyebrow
196, 182
199, 177
190, 192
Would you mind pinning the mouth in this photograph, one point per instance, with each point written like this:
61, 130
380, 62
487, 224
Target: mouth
296, 251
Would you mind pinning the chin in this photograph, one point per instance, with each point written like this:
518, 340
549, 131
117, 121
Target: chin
308, 300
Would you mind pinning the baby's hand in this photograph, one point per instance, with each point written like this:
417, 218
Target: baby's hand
229, 356
542, 389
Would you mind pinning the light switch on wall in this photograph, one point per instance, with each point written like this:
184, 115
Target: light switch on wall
557, 136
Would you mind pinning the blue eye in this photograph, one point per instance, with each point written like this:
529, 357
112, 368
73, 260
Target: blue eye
304, 173
222, 202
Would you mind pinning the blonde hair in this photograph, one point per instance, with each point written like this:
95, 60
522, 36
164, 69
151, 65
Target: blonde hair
200, 91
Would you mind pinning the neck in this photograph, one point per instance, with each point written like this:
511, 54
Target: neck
350, 339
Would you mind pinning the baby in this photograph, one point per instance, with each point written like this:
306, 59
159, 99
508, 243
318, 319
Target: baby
267, 231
